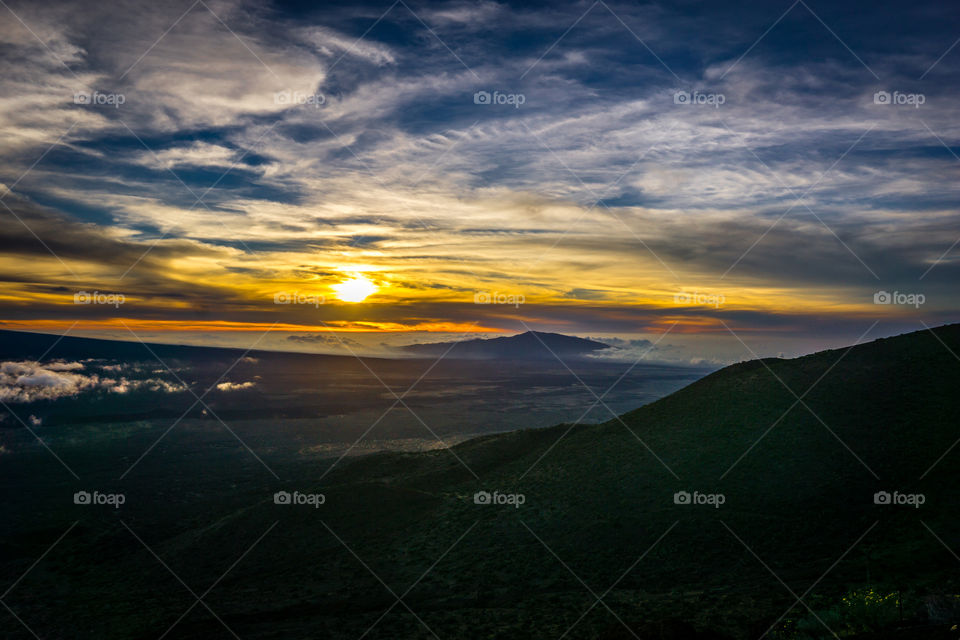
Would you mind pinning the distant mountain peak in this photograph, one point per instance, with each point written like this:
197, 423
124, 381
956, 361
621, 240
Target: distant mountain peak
529, 345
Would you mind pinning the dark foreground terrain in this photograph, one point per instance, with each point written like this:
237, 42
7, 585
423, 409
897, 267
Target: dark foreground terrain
582, 535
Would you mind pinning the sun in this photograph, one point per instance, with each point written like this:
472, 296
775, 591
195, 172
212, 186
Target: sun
354, 290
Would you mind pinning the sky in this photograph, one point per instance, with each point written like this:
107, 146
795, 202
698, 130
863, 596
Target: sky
321, 176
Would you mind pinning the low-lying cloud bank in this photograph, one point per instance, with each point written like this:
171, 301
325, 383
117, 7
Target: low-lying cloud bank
29, 381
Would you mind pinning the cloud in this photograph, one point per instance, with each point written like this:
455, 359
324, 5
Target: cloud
469, 13
332, 44
235, 386
199, 154
599, 191
28, 381
323, 339
156, 385
59, 365
646, 351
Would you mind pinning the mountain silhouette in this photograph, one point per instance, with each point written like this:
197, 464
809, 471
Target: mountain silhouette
530, 345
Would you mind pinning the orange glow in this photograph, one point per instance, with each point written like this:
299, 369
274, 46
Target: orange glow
60, 326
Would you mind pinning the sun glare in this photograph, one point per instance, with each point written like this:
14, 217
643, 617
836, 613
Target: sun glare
354, 290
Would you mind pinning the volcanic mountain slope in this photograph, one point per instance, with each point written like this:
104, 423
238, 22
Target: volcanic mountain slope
530, 345
784, 457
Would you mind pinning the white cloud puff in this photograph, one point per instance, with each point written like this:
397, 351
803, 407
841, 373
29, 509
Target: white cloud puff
30, 381
27, 381
235, 386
